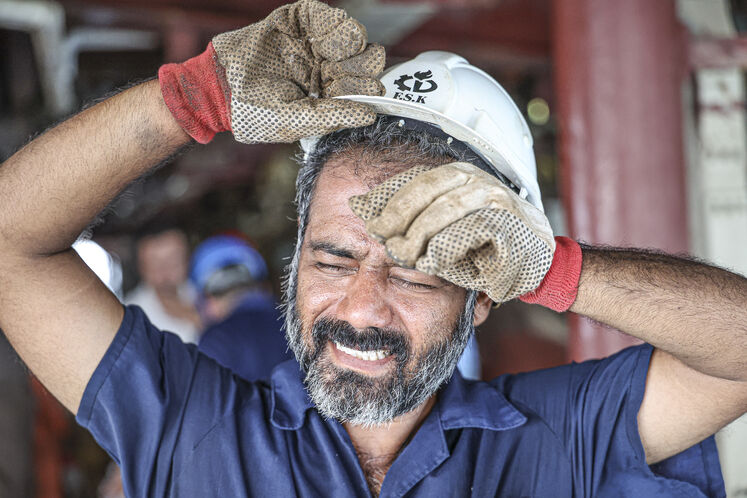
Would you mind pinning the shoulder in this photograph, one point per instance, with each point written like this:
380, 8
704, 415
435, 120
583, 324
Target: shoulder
556, 381
583, 389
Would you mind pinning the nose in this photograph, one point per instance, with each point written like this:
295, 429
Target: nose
365, 304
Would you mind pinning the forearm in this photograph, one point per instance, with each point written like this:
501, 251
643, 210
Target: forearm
695, 312
52, 188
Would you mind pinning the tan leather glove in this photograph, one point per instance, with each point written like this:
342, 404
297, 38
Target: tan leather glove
272, 81
462, 224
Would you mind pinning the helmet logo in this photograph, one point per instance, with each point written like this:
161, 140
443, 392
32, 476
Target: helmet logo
421, 83
421, 78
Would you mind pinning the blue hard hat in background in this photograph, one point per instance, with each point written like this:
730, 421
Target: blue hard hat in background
221, 260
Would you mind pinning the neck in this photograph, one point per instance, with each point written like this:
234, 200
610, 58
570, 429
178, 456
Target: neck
378, 446
167, 291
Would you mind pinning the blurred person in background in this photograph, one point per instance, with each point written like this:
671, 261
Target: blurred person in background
164, 293
235, 301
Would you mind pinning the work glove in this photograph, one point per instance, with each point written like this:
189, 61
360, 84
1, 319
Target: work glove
272, 81
464, 225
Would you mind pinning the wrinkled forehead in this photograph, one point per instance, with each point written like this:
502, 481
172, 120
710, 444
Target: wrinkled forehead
330, 219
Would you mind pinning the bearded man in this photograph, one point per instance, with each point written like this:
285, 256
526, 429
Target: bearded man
407, 233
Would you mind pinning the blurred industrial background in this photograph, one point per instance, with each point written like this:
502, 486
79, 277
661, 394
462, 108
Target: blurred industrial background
637, 108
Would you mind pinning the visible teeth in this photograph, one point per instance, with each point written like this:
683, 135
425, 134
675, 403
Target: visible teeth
373, 355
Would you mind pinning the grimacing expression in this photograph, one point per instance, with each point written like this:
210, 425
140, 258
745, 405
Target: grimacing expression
375, 339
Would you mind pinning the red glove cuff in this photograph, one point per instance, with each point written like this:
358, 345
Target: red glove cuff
559, 287
197, 94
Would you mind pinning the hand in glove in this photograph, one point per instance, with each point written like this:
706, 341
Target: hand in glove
462, 224
262, 82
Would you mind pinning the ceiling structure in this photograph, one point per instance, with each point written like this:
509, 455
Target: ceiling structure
483, 30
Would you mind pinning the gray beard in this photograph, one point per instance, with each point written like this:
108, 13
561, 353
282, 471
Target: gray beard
348, 396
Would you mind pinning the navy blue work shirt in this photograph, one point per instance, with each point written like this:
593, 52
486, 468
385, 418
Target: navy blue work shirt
250, 341
179, 424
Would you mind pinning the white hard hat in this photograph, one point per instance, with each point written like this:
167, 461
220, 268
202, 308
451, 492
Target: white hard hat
443, 89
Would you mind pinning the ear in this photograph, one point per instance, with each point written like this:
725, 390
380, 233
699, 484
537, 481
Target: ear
482, 308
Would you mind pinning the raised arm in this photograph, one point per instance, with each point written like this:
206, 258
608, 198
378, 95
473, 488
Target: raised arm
494, 242
696, 316
260, 82
56, 313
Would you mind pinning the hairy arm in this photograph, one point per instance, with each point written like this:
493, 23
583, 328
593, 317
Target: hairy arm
696, 317
56, 313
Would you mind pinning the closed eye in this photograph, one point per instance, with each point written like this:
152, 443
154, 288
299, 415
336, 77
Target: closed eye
413, 285
330, 268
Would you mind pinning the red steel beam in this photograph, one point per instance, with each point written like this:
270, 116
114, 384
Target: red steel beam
618, 72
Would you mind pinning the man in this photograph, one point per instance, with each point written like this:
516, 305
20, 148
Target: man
234, 298
377, 409
164, 293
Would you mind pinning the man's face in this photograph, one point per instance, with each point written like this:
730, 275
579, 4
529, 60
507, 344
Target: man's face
376, 339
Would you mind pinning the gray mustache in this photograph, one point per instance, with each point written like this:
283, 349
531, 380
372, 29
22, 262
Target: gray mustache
392, 340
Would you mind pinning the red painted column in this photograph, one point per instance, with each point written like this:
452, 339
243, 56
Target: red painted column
618, 72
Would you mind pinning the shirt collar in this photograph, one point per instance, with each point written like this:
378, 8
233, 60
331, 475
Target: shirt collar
461, 403
290, 400
475, 404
